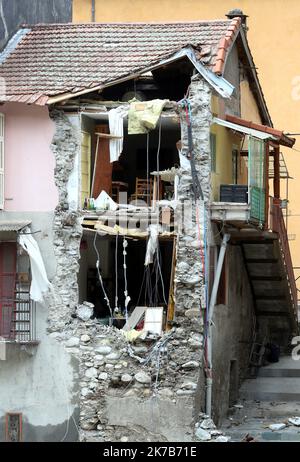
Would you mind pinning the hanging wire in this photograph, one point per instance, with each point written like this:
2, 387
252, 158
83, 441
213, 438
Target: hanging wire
157, 157
99, 275
127, 298
116, 274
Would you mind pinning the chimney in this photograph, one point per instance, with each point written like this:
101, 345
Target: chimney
237, 13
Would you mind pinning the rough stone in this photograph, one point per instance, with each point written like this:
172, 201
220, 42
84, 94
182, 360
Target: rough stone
85, 311
202, 435
142, 377
295, 421
91, 372
126, 378
103, 376
103, 349
113, 356
85, 338
276, 427
207, 424
222, 439
72, 342
189, 386
190, 365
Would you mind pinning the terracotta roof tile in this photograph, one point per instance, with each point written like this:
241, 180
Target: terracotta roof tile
51, 59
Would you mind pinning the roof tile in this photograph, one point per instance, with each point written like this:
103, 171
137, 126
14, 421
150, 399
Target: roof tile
51, 59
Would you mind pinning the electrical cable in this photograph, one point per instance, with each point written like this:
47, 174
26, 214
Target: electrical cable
100, 277
116, 276
157, 157
127, 298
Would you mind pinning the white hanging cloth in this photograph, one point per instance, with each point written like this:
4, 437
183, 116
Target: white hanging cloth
39, 284
115, 119
152, 244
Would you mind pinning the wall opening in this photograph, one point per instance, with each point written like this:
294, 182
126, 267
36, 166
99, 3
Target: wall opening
146, 285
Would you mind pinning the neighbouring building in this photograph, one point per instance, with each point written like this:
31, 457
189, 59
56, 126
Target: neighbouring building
128, 157
14, 14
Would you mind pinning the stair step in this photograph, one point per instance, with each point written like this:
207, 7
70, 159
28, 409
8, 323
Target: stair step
270, 389
285, 435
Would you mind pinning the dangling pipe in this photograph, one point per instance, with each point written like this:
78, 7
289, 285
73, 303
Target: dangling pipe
93, 15
212, 303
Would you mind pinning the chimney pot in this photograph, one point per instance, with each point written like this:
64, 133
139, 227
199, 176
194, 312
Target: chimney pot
237, 13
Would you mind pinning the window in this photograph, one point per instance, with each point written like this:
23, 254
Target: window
1, 161
213, 152
17, 310
13, 427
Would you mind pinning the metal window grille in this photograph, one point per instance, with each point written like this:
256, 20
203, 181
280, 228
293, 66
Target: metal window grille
17, 310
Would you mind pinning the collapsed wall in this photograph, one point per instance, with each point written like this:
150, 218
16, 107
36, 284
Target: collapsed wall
148, 390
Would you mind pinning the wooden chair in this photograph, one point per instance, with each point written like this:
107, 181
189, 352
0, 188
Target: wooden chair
143, 190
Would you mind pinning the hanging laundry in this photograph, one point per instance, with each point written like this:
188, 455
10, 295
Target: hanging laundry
39, 284
152, 244
115, 119
143, 116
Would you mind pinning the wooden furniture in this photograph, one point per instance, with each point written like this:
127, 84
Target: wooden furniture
143, 190
116, 188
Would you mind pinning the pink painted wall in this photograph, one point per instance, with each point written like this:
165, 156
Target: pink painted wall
29, 161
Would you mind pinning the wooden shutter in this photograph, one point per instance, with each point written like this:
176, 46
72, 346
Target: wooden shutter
1, 161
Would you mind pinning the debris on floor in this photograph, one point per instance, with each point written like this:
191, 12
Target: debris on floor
275, 427
206, 430
294, 421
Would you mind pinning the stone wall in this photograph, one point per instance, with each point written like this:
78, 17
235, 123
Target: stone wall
67, 225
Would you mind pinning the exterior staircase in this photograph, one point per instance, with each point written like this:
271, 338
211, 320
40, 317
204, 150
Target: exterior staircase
269, 266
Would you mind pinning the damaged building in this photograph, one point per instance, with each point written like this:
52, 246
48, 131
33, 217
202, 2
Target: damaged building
143, 248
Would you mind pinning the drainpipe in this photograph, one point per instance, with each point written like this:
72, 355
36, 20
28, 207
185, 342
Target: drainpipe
212, 303
93, 11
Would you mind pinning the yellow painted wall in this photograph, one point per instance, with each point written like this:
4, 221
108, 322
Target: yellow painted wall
274, 37
225, 142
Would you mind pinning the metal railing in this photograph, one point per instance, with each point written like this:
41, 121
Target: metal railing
278, 226
18, 318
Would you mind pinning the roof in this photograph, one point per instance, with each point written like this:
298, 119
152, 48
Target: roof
244, 129
279, 136
52, 59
